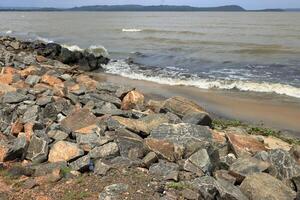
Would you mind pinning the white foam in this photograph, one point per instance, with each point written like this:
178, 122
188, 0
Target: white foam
123, 69
9, 32
131, 30
72, 47
97, 50
44, 39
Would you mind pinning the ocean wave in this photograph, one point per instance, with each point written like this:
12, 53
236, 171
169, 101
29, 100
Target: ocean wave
97, 50
9, 32
176, 78
131, 30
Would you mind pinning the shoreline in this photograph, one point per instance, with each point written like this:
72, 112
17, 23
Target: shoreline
275, 111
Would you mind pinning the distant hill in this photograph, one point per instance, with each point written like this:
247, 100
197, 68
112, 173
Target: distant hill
293, 9
136, 8
156, 8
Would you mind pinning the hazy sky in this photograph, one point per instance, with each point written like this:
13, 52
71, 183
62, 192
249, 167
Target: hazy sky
249, 4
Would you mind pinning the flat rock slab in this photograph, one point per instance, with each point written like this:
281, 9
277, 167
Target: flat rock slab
64, 151
37, 150
181, 106
79, 119
182, 133
165, 170
263, 186
244, 144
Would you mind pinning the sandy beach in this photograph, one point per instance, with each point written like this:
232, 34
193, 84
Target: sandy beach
274, 111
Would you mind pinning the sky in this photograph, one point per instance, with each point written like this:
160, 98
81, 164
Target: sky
248, 4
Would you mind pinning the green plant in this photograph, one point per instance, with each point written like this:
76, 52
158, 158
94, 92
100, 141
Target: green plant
65, 171
223, 124
176, 185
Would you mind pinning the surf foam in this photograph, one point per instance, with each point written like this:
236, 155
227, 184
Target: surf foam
131, 71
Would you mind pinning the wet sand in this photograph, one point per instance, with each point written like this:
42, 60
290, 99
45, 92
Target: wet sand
274, 111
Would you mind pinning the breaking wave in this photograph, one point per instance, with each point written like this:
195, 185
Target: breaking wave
97, 50
164, 76
131, 30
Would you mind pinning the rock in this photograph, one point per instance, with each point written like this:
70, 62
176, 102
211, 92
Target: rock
165, 149
4, 88
197, 118
91, 129
106, 151
31, 114
244, 167
283, 164
81, 164
224, 175
107, 87
37, 150
58, 135
144, 125
64, 151
79, 119
295, 152
190, 167
107, 97
210, 188
42, 101
41, 59
48, 168
89, 141
51, 80
32, 79
244, 144
123, 90
17, 127
133, 100
17, 149
190, 194
181, 106
108, 109
13, 97
201, 160
114, 192
149, 159
165, 170
131, 145
66, 56
276, 143
53, 177
155, 106
101, 168
181, 133
261, 186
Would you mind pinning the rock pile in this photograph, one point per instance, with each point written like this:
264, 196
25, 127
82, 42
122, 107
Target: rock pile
19, 53
52, 119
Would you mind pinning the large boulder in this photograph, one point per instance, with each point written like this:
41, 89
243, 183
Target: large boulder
106, 151
261, 186
165, 170
13, 97
64, 151
200, 160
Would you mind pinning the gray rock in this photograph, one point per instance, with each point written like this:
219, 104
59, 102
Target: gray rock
66, 77
37, 150
165, 170
106, 151
58, 134
107, 97
130, 147
114, 192
17, 149
283, 164
149, 159
101, 168
81, 164
209, 188
198, 118
31, 114
44, 100
123, 90
108, 108
32, 79
261, 186
13, 97
201, 160
243, 167
108, 87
